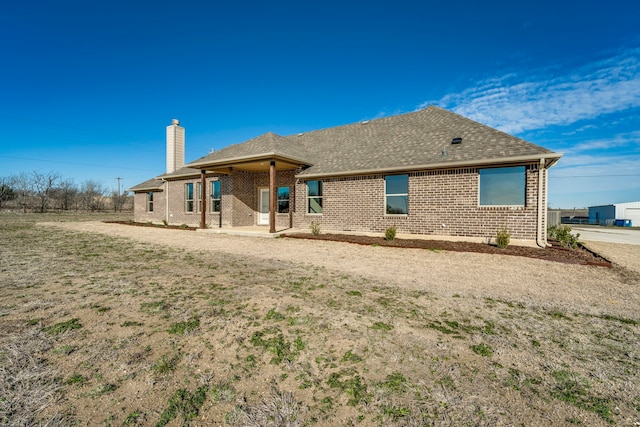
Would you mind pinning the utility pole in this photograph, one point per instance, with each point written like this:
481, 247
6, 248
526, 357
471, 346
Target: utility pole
118, 201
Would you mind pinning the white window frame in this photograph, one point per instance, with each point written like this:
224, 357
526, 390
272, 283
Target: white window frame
320, 196
395, 195
187, 199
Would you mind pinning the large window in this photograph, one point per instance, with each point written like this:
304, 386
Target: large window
502, 186
283, 199
150, 201
188, 197
396, 194
215, 196
314, 197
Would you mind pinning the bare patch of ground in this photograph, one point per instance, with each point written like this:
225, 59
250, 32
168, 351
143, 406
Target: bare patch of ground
145, 326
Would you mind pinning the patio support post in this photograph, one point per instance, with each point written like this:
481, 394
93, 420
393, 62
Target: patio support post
203, 199
272, 197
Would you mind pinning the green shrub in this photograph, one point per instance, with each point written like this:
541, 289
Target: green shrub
390, 233
59, 328
315, 228
503, 237
562, 233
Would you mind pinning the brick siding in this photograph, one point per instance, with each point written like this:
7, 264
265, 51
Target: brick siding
441, 202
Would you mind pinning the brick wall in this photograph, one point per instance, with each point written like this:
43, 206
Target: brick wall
442, 202
140, 213
239, 201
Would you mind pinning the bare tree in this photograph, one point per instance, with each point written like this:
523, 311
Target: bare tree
23, 191
66, 194
6, 190
43, 184
92, 195
118, 200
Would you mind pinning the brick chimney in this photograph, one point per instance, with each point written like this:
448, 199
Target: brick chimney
175, 146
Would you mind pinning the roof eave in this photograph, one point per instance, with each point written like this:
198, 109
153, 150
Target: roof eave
243, 159
550, 160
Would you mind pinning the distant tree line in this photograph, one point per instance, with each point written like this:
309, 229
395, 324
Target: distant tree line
48, 191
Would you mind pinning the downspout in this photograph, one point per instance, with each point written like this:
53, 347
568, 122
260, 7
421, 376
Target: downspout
540, 238
166, 201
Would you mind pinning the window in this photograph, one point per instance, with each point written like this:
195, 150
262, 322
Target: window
150, 201
396, 194
188, 197
283, 199
314, 197
502, 186
215, 196
199, 196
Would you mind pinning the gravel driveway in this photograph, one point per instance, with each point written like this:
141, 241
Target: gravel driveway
533, 282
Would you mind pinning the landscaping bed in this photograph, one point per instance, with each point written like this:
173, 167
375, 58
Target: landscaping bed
556, 252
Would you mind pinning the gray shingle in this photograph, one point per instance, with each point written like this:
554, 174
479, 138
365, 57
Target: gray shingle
149, 185
411, 141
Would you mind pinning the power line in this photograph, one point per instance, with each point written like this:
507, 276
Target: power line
591, 176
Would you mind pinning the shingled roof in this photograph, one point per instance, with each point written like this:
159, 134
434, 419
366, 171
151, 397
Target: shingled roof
413, 141
152, 184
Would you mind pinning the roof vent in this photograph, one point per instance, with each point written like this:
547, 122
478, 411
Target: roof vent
456, 141
364, 122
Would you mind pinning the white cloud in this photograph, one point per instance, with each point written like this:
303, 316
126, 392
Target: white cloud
535, 99
622, 140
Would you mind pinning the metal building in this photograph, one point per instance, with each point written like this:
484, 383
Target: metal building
621, 214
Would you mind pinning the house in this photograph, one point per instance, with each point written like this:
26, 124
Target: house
429, 172
621, 214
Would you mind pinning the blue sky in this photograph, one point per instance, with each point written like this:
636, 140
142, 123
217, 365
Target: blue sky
88, 87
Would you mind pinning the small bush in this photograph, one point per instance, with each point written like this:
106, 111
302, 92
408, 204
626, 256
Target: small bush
390, 233
503, 237
315, 228
562, 233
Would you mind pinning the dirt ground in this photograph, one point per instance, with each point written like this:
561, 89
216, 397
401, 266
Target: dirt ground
107, 324
447, 272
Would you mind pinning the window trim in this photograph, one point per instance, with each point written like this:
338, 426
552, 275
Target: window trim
395, 195
187, 199
320, 196
213, 199
523, 194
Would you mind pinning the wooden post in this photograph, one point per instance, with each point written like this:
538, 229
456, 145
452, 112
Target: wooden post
272, 197
203, 199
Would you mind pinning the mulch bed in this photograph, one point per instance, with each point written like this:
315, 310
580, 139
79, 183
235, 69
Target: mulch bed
555, 252
148, 224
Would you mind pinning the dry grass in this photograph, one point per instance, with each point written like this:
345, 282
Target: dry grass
289, 344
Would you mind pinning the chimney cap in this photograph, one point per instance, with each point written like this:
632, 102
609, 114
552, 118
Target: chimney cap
175, 121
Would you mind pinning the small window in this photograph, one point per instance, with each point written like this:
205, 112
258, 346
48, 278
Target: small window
150, 201
188, 197
502, 186
314, 197
215, 196
396, 194
283, 199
